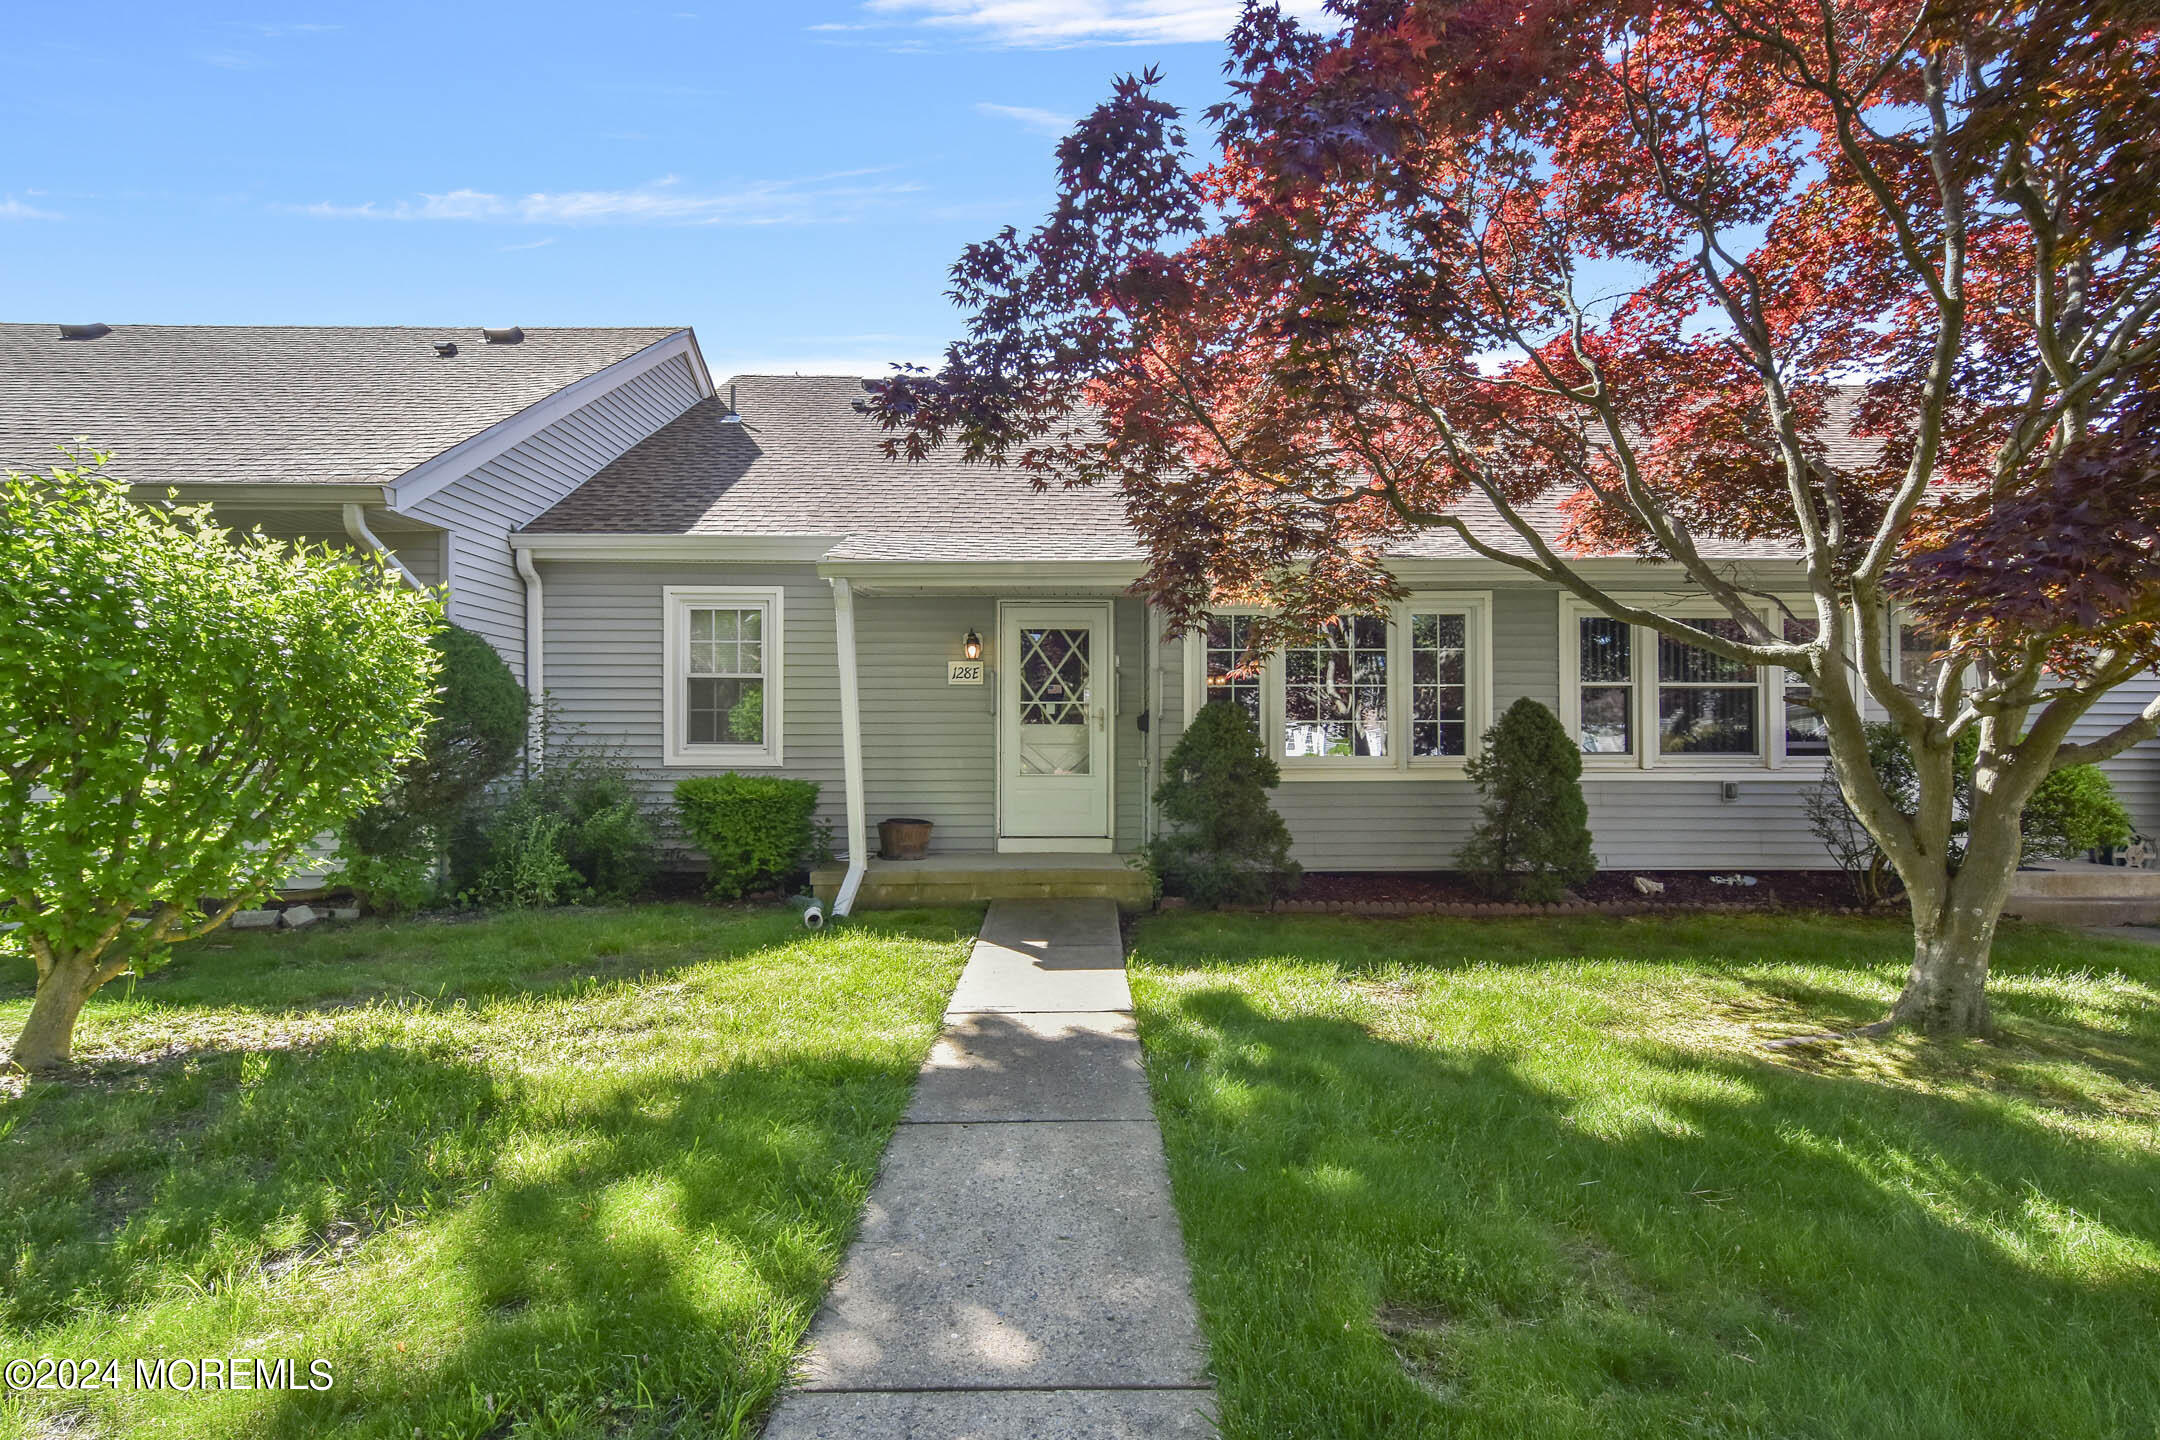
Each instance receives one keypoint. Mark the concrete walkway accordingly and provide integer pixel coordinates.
(1019, 1271)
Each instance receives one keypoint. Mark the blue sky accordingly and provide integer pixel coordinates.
(792, 179)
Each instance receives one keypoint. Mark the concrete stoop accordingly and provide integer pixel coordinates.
(968, 879)
(2076, 892)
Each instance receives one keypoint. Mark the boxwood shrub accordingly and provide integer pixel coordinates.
(760, 831)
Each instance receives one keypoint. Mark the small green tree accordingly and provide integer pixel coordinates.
(184, 709)
(479, 716)
(1533, 839)
(1227, 846)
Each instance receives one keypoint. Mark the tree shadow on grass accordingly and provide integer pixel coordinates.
(1396, 1239)
(572, 1246)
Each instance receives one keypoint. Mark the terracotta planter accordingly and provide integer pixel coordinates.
(903, 839)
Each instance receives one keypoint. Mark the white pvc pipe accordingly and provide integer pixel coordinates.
(535, 661)
(850, 746)
(357, 527)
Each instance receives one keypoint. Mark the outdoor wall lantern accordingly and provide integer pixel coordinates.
(972, 646)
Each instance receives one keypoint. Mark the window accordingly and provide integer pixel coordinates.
(1372, 695)
(1706, 703)
(1606, 697)
(1919, 661)
(1335, 691)
(722, 676)
(1806, 732)
(1638, 700)
(1439, 684)
(1225, 642)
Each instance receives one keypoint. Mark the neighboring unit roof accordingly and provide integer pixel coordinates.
(804, 461)
(279, 404)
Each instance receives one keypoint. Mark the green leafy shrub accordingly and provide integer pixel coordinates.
(182, 710)
(599, 833)
(1533, 838)
(525, 866)
(478, 727)
(2072, 811)
(759, 831)
(394, 884)
(1227, 846)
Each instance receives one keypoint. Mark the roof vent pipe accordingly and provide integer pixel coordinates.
(446, 348)
(733, 416)
(84, 332)
(511, 336)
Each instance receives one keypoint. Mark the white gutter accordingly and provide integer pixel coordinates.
(535, 672)
(357, 527)
(850, 746)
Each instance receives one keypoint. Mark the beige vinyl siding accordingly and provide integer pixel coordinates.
(482, 508)
(1647, 821)
(929, 747)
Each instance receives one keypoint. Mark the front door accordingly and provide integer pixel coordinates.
(1054, 717)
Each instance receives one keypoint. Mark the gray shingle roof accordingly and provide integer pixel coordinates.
(260, 404)
(805, 462)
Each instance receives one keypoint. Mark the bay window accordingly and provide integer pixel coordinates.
(1379, 694)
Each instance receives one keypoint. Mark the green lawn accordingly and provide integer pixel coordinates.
(1541, 1179)
(563, 1174)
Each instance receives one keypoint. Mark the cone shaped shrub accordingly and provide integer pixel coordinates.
(1226, 845)
(1533, 840)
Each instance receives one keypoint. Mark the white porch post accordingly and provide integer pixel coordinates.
(850, 745)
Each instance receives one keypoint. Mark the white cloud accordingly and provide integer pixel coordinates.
(526, 245)
(1049, 23)
(13, 209)
(814, 199)
(1045, 122)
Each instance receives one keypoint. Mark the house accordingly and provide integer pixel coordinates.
(733, 577)
(429, 446)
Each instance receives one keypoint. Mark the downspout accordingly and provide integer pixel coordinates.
(850, 745)
(357, 527)
(1151, 757)
(535, 673)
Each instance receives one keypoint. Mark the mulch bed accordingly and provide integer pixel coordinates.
(1609, 892)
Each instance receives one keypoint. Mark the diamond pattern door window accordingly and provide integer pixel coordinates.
(1055, 674)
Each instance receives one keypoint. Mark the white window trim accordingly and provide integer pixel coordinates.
(1769, 699)
(677, 601)
(1397, 764)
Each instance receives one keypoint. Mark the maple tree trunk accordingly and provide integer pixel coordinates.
(1954, 922)
(48, 1036)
